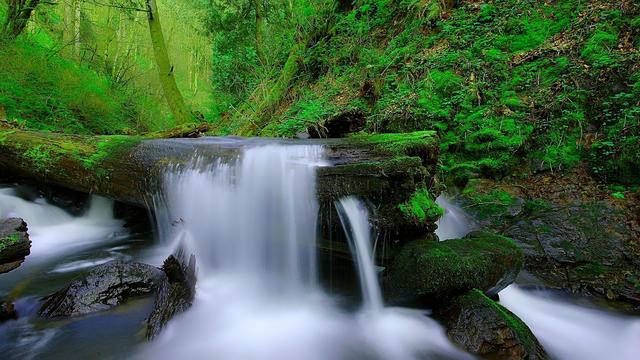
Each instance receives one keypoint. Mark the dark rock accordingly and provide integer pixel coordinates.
(584, 248)
(14, 244)
(7, 311)
(175, 294)
(485, 328)
(104, 287)
(339, 125)
(430, 272)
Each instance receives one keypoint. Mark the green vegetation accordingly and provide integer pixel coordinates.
(433, 269)
(8, 241)
(421, 207)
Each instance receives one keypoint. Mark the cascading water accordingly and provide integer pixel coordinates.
(354, 217)
(570, 332)
(455, 223)
(251, 222)
(54, 231)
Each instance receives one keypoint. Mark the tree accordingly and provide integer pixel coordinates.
(259, 32)
(165, 69)
(18, 15)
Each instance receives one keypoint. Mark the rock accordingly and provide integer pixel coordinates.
(104, 287)
(584, 248)
(14, 244)
(7, 311)
(428, 272)
(339, 125)
(485, 328)
(175, 294)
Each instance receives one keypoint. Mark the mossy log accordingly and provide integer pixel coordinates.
(385, 169)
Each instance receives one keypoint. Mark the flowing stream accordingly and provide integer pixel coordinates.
(251, 222)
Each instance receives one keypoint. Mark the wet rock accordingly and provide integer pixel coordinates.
(584, 248)
(7, 311)
(485, 328)
(175, 294)
(429, 272)
(14, 244)
(103, 288)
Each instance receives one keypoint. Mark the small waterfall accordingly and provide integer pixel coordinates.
(251, 222)
(354, 217)
(455, 223)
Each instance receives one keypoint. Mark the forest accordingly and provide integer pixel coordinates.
(320, 179)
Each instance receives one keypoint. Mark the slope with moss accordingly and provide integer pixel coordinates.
(511, 86)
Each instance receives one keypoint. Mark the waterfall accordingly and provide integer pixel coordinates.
(251, 221)
(354, 217)
(455, 223)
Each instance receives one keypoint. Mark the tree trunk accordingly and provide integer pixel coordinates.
(260, 32)
(77, 8)
(18, 15)
(165, 69)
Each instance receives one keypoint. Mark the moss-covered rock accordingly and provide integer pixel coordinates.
(14, 244)
(485, 328)
(428, 272)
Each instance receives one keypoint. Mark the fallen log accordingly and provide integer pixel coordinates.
(386, 169)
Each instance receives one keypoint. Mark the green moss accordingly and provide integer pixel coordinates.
(415, 143)
(521, 330)
(8, 241)
(427, 268)
(421, 207)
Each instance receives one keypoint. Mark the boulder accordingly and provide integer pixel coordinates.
(429, 272)
(485, 328)
(175, 294)
(103, 288)
(14, 244)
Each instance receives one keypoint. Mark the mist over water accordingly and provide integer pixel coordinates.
(251, 222)
(455, 223)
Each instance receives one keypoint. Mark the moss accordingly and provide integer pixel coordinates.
(432, 271)
(589, 270)
(522, 332)
(8, 241)
(421, 207)
(415, 143)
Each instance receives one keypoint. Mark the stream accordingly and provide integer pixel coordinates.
(251, 221)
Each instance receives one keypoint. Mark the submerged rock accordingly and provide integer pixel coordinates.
(175, 294)
(103, 288)
(428, 272)
(7, 311)
(485, 328)
(14, 244)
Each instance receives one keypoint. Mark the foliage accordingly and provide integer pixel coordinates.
(421, 207)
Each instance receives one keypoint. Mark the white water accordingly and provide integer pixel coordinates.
(354, 217)
(455, 223)
(251, 223)
(55, 232)
(570, 332)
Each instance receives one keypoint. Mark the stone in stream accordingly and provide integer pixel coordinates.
(485, 328)
(7, 311)
(428, 272)
(14, 244)
(175, 294)
(103, 288)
